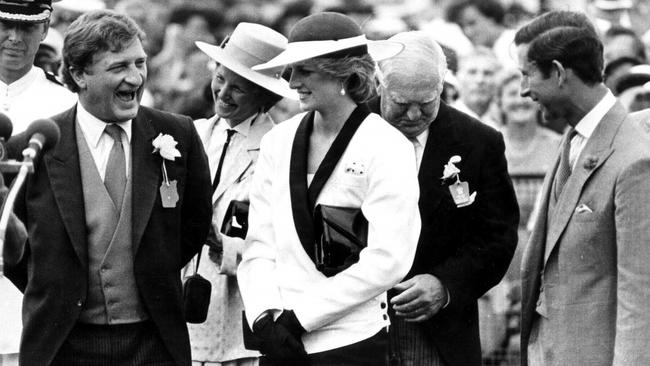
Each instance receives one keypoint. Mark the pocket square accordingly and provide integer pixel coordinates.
(583, 208)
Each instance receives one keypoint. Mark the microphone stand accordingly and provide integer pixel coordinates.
(24, 167)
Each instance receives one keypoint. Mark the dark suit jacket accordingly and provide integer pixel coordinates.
(51, 268)
(468, 249)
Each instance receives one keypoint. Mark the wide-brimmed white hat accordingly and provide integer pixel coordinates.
(329, 34)
(251, 44)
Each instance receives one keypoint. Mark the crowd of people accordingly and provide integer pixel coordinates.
(358, 184)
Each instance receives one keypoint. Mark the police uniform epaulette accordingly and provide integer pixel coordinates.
(51, 77)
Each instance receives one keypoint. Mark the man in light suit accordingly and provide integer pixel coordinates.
(585, 273)
(113, 213)
(463, 249)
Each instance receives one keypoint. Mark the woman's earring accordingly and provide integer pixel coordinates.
(342, 91)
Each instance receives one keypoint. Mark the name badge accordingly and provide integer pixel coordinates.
(169, 194)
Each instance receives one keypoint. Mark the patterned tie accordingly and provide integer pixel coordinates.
(115, 176)
(217, 176)
(564, 169)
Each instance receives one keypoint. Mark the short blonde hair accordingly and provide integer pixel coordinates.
(356, 73)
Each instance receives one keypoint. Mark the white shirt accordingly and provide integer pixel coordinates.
(33, 97)
(215, 138)
(419, 142)
(587, 125)
(100, 143)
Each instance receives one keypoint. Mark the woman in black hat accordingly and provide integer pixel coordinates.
(301, 310)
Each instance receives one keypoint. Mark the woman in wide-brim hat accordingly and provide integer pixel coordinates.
(242, 99)
(338, 153)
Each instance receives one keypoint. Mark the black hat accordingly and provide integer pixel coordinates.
(329, 34)
(34, 11)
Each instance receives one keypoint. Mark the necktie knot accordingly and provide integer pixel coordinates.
(230, 133)
(114, 131)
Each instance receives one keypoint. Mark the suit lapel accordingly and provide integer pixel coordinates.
(145, 173)
(65, 179)
(598, 149)
(302, 216)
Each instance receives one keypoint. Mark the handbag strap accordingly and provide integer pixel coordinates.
(198, 260)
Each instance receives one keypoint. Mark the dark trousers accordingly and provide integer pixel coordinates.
(113, 345)
(369, 352)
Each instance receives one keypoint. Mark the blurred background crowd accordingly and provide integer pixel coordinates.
(484, 81)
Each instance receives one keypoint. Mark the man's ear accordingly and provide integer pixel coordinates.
(78, 76)
(46, 28)
(560, 72)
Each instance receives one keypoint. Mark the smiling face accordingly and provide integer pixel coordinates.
(316, 90)
(112, 86)
(235, 98)
(18, 45)
(542, 90)
(517, 109)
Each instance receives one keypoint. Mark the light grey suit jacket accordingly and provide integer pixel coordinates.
(596, 265)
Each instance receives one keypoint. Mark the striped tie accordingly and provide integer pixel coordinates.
(564, 169)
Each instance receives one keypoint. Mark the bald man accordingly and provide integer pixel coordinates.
(469, 231)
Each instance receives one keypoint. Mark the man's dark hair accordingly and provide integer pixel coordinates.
(93, 33)
(567, 37)
(489, 8)
(550, 20)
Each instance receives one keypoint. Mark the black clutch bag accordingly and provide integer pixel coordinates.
(235, 222)
(196, 296)
(341, 233)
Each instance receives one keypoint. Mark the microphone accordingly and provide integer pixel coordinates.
(6, 128)
(43, 135)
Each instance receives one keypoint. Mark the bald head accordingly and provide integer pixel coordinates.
(411, 83)
(422, 60)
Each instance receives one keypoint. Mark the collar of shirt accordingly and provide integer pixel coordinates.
(422, 138)
(588, 123)
(93, 127)
(242, 128)
(18, 86)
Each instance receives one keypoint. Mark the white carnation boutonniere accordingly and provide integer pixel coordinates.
(459, 190)
(451, 171)
(165, 145)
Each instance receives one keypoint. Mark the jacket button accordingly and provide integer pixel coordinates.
(79, 303)
(385, 317)
(383, 305)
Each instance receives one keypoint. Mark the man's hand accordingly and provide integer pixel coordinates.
(420, 298)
